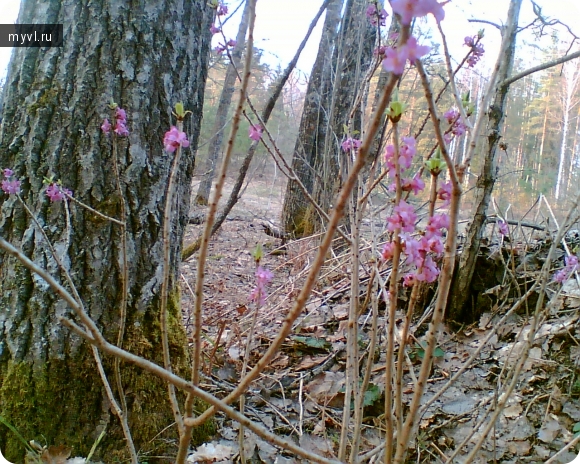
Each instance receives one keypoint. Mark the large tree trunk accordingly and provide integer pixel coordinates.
(329, 99)
(220, 123)
(351, 60)
(146, 57)
(488, 144)
(310, 141)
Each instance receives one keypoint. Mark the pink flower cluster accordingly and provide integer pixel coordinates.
(351, 144)
(457, 127)
(255, 132)
(396, 58)
(444, 193)
(222, 48)
(571, 266)
(407, 151)
(10, 185)
(56, 192)
(477, 51)
(375, 16)
(263, 278)
(174, 138)
(419, 252)
(403, 218)
(409, 9)
(222, 9)
(120, 123)
(503, 228)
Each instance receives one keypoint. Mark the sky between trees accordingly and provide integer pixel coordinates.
(281, 25)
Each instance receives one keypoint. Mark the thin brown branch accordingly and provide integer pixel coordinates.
(484, 21)
(360, 162)
(540, 67)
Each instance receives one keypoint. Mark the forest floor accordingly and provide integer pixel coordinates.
(301, 393)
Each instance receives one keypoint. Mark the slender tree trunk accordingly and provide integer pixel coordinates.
(543, 139)
(573, 155)
(146, 57)
(218, 130)
(489, 145)
(570, 76)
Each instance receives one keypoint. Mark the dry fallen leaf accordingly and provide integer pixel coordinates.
(210, 452)
(56, 454)
(549, 430)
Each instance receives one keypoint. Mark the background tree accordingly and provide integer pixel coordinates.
(146, 57)
(332, 90)
(220, 121)
(309, 143)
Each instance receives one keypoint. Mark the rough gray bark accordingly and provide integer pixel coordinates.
(310, 140)
(218, 129)
(329, 100)
(352, 58)
(488, 145)
(146, 57)
(277, 89)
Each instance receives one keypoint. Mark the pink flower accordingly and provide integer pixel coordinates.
(477, 52)
(468, 41)
(429, 271)
(403, 217)
(413, 251)
(503, 228)
(120, 123)
(406, 153)
(458, 128)
(120, 128)
(388, 249)
(263, 278)
(440, 221)
(433, 244)
(408, 9)
(8, 173)
(214, 29)
(444, 193)
(415, 51)
(375, 17)
(415, 184)
(174, 138)
(106, 126)
(409, 279)
(220, 49)
(571, 266)
(57, 193)
(560, 276)
(351, 144)
(11, 187)
(231, 43)
(395, 60)
(222, 10)
(451, 115)
(120, 115)
(571, 262)
(255, 132)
